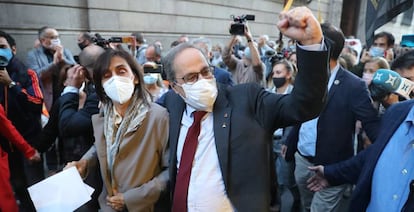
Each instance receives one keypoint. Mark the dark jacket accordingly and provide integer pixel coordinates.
(24, 101)
(72, 126)
(359, 170)
(245, 117)
(348, 101)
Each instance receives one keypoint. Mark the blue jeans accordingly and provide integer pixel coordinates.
(287, 189)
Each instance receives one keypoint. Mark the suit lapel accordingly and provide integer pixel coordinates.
(335, 85)
(176, 114)
(222, 114)
(100, 144)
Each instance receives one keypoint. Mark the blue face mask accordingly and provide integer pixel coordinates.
(376, 51)
(5, 57)
(149, 80)
(247, 53)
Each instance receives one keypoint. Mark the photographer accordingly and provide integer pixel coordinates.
(248, 69)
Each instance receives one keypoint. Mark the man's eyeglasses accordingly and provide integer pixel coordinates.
(191, 78)
(52, 37)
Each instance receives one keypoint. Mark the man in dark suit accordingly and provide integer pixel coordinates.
(329, 138)
(383, 172)
(230, 166)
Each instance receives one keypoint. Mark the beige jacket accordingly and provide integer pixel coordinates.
(140, 168)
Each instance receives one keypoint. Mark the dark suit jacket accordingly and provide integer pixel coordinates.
(348, 101)
(245, 117)
(222, 76)
(359, 170)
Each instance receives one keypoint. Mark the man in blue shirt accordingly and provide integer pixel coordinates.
(383, 173)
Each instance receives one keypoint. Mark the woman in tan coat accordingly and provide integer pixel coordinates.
(130, 137)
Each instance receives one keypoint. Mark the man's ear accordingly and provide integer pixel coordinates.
(14, 50)
(177, 89)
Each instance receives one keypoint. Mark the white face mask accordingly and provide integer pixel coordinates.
(367, 77)
(54, 43)
(119, 89)
(201, 95)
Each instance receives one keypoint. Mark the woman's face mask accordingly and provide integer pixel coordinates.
(119, 89)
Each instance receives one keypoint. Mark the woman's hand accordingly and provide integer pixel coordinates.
(80, 165)
(116, 201)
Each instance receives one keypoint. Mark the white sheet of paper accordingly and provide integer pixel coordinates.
(64, 191)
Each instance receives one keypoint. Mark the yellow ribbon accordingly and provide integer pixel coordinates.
(288, 5)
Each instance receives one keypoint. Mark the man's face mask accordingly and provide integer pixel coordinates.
(82, 45)
(5, 56)
(376, 51)
(54, 43)
(201, 95)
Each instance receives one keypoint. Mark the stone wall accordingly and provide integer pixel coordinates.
(163, 20)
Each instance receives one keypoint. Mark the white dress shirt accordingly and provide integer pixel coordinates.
(206, 191)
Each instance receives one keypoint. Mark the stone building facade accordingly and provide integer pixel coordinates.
(163, 20)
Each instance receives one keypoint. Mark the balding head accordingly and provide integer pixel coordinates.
(153, 53)
(89, 55)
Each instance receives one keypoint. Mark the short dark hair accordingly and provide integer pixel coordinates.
(87, 36)
(404, 61)
(139, 37)
(336, 37)
(9, 38)
(101, 67)
(390, 38)
(175, 43)
(41, 31)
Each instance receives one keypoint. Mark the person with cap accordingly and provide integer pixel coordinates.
(248, 69)
(389, 157)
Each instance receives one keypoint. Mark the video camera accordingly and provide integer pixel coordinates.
(237, 28)
(152, 68)
(104, 43)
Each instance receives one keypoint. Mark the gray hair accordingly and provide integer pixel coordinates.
(204, 41)
(168, 61)
(157, 49)
(42, 31)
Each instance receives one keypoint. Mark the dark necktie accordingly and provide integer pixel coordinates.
(184, 170)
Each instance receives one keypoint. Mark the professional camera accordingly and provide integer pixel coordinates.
(152, 68)
(104, 43)
(237, 28)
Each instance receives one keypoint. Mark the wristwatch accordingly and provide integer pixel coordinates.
(12, 84)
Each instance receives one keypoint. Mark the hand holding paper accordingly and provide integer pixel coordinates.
(64, 191)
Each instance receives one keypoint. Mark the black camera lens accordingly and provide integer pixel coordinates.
(237, 29)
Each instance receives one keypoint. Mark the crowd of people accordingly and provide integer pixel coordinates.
(254, 125)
